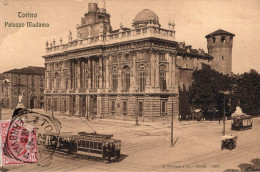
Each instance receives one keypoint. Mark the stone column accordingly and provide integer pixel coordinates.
(100, 72)
(98, 106)
(152, 69)
(156, 70)
(119, 73)
(107, 72)
(168, 73)
(134, 73)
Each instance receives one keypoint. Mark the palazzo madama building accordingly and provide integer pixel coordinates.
(121, 73)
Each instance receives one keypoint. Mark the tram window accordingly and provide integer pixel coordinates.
(95, 145)
(99, 146)
(87, 144)
(91, 144)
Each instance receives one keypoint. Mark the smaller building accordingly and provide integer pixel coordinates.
(29, 82)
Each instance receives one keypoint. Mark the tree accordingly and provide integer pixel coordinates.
(247, 91)
(207, 89)
(184, 104)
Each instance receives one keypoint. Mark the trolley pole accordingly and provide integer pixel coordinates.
(172, 127)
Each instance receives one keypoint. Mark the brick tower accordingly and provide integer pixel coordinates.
(220, 45)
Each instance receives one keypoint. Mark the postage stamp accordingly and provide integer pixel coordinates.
(18, 142)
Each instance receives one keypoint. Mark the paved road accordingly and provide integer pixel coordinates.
(147, 147)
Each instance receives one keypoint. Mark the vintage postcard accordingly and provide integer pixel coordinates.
(130, 85)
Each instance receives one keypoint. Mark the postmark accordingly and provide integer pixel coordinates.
(19, 134)
(21, 142)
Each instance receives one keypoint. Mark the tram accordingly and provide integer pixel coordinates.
(98, 145)
(241, 122)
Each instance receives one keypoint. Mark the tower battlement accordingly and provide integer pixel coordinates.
(220, 45)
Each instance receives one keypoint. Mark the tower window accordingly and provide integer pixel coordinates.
(214, 39)
(222, 57)
(223, 39)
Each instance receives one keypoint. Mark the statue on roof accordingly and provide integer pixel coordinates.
(47, 44)
(70, 36)
(121, 26)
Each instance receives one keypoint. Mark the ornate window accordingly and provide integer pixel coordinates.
(50, 83)
(41, 83)
(162, 78)
(57, 76)
(126, 78)
(142, 78)
(114, 79)
(32, 83)
(126, 57)
(19, 80)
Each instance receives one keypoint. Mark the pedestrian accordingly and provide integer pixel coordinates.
(219, 120)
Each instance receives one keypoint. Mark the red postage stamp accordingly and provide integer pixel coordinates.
(18, 143)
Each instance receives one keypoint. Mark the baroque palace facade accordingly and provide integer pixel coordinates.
(124, 72)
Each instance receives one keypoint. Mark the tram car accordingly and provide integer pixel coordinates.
(92, 144)
(241, 122)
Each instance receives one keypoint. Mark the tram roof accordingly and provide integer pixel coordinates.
(83, 137)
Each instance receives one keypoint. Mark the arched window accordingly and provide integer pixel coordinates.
(162, 78)
(114, 79)
(142, 78)
(126, 78)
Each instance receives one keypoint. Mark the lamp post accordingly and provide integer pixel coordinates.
(224, 111)
(172, 126)
(137, 115)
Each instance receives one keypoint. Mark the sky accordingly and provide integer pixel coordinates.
(194, 19)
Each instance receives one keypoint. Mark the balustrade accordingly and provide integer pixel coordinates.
(114, 37)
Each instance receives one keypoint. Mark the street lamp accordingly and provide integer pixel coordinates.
(224, 112)
(172, 126)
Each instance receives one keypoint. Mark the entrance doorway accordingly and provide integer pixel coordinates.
(32, 103)
(140, 108)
